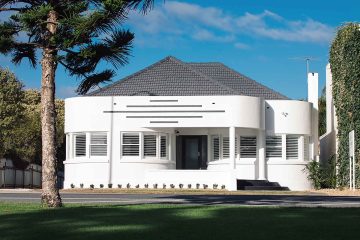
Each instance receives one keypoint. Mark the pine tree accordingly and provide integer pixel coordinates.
(76, 34)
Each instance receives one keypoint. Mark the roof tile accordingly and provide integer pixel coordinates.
(172, 77)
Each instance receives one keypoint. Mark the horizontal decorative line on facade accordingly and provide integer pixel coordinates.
(164, 121)
(170, 111)
(164, 116)
(163, 106)
(154, 100)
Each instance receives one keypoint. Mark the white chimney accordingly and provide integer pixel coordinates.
(313, 97)
(313, 89)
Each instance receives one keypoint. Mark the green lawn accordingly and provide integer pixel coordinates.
(29, 221)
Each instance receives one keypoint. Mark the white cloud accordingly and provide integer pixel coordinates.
(296, 31)
(240, 45)
(205, 35)
(209, 16)
(213, 24)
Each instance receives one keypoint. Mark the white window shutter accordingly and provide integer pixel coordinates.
(80, 145)
(274, 146)
(225, 147)
(216, 148)
(292, 147)
(149, 145)
(306, 148)
(130, 144)
(248, 147)
(163, 146)
(98, 144)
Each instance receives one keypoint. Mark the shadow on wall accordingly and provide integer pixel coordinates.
(269, 117)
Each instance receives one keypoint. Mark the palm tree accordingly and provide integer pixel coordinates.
(76, 34)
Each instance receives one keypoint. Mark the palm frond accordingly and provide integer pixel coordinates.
(119, 44)
(21, 51)
(94, 80)
(143, 5)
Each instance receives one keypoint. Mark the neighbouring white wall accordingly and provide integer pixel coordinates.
(328, 141)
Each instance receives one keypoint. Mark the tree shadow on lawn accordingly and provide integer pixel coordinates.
(179, 222)
(267, 200)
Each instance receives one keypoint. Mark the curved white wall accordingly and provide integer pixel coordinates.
(87, 114)
(87, 173)
(94, 113)
(288, 117)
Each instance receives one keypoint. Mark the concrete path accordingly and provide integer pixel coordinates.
(231, 200)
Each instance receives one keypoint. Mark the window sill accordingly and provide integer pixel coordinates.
(286, 162)
(146, 161)
(243, 161)
(86, 160)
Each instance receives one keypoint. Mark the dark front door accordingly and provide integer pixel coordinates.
(192, 152)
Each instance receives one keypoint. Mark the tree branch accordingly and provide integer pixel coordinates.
(72, 69)
(29, 44)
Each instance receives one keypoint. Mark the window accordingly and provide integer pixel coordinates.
(273, 146)
(236, 148)
(216, 147)
(225, 147)
(149, 145)
(80, 145)
(306, 148)
(292, 146)
(247, 147)
(130, 144)
(163, 146)
(98, 144)
(153, 145)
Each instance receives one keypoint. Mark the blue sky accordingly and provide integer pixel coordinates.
(263, 39)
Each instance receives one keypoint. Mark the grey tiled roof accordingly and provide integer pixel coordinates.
(172, 77)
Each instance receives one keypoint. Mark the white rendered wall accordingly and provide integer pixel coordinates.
(185, 177)
(328, 141)
(288, 116)
(87, 114)
(313, 97)
(87, 173)
(291, 174)
(196, 111)
(214, 115)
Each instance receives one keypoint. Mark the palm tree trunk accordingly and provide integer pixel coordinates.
(50, 193)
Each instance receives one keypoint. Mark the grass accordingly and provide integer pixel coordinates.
(105, 222)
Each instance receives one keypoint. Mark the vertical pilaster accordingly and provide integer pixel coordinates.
(232, 157)
(283, 146)
(261, 154)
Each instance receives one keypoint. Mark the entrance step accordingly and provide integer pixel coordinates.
(263, 185)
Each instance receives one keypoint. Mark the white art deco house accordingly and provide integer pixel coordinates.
(177, 124)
